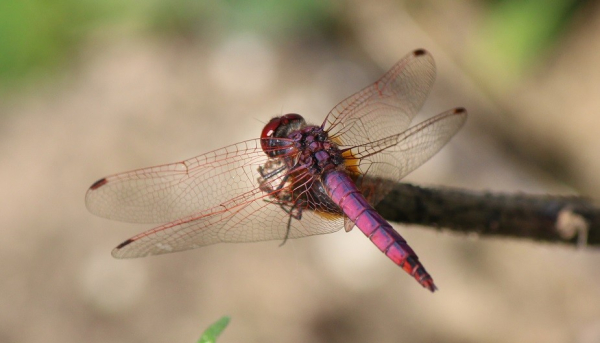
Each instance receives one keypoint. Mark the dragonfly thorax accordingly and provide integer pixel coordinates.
(316, 152)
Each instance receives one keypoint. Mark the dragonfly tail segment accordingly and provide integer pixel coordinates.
(342, 191)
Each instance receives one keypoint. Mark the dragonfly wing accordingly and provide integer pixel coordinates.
(390, 159)
(257, 219)
(168, 192)
(386, 107)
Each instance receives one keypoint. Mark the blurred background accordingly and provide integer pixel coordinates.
(91, 88)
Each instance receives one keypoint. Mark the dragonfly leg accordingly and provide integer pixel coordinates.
(287, 230)
(282, 198)
(275, 192)
(264, 185)
(266, 176)
(294, 212)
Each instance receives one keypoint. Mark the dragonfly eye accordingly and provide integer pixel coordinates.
(291, 118)
(279, 127)
(268, 145)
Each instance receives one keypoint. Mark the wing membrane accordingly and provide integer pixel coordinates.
(387, 106)
(169, 192)
(392, 158)
(258, 220)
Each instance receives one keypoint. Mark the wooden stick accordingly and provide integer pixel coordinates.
(558, 219)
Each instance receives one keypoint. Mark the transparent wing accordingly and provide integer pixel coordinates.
(390, 159)
(212, 198)
(253, 220)
(169, 192)
(386, 107)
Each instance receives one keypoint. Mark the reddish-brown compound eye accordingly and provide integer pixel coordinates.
(267, 133)
(291, 117)
(278, 127)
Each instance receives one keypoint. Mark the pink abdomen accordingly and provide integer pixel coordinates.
(343, 192)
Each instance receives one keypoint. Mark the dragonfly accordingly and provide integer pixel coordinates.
(296, 180)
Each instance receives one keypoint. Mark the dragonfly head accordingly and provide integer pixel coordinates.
(279, 127)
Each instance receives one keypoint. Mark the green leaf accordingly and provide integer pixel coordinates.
(213, 331)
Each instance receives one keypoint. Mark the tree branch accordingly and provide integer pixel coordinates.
(558, 219)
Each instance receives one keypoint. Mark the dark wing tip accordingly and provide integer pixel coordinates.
(98, 184)
(127, 242)
(419, 52)
(459, 110)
